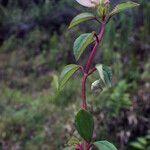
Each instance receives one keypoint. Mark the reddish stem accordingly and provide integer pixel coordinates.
(84, 105)
(100, 36)
(86, 72)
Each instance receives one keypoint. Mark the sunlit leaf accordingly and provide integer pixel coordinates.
(104, 145)
(105, 74)
(81, 43)
(84, 123)
(122, 7)
(81, 18)
(67, 72)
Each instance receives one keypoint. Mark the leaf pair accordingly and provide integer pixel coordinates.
(104, 72)
(88, 16)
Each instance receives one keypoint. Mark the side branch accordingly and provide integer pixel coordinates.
(92, 71)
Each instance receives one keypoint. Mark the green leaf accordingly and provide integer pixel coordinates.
(122, 7)
(84, 123)
(81, 43)
(105, 74)
(69, 148)
(81, 18)
(104, 145)
(73, 141)
(67, 72)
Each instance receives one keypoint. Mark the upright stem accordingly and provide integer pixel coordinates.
(86, 72)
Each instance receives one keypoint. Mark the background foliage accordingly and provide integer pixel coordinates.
(35, 45)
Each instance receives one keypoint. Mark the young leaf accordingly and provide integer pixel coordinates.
(81, 18)
(67, 72)
(104, 145)
(122, 7)
(84, 123)
(81, 43)
(105, 74)
(73, 141)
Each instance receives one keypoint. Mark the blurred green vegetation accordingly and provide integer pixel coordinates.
(142, 143)
(34, 47)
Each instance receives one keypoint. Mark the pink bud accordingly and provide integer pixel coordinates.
(88, 3)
